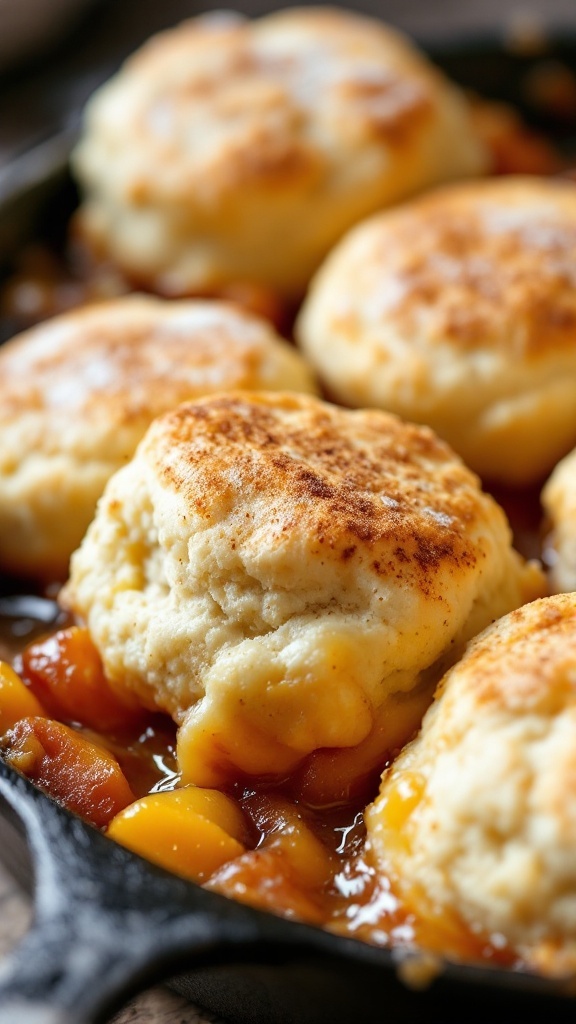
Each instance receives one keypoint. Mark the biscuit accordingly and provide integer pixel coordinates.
(78, 392)
(558, 500)
(475, 823)
(230, 149)
(275, 572)
(458, 310)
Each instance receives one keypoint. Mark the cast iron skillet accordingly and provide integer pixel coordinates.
(107, 923)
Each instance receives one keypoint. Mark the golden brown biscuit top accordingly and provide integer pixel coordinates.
(527, 663)
(225, 102)
(352, 484)
(137, 356)
(484, 263)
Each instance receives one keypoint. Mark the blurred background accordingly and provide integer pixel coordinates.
(54, 53)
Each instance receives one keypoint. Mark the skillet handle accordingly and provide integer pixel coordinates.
(107, 924)
(59, 975)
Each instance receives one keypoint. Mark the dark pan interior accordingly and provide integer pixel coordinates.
(290, 974)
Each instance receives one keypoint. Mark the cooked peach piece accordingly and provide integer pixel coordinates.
(261, 878)
(288, 871)
(332, 776)
(65, 672)
(79, 774)
(16, 699)
(189, 831)
(287, 831)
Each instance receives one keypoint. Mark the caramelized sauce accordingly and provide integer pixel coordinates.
(301, 862)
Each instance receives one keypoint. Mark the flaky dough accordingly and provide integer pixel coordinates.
(231, 149)
(458, 310)
(476, 819)
(77, 393)
(274, 571)
(558, 500)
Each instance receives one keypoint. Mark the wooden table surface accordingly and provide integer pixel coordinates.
(157, 1006)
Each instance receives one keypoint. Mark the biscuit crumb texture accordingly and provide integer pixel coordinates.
(458, 309)
(488, 831)
(232, 149)
(77, 393)
(273, 570)
(558, 499)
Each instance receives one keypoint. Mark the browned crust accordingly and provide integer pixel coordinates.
(358, 484)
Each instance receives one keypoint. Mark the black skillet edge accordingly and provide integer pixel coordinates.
(137, 924)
